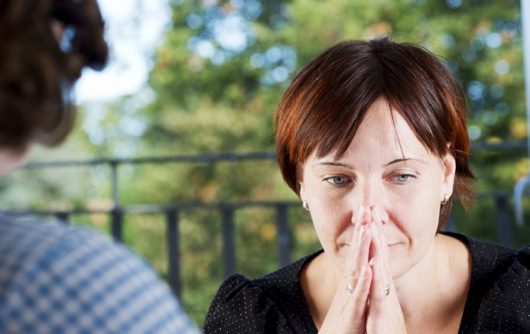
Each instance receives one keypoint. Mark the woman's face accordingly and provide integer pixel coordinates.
(385, 168)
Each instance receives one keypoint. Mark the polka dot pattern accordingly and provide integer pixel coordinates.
(498, 299)
(499, 295)
(272, 304)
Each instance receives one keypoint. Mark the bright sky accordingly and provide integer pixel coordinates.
(134, 28)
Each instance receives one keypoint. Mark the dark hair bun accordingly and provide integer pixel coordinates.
(39, 68)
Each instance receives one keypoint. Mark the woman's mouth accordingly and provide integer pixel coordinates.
(393, 245)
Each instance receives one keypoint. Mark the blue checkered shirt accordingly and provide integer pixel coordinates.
(59, 279)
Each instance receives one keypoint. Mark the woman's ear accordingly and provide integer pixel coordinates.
(449, 172)
(302, 191)
(305, 205)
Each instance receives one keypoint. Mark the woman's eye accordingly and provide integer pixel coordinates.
(403, 178)
(337, 180)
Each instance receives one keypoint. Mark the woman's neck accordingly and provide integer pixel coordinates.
(441, 278)
(315, 275)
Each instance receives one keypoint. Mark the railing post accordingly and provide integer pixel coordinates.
(64, 217)
(173, 249)
(114, 183)
(116, 226)
(117, 214)
(284, 238)
(229, 252)
(504, 230)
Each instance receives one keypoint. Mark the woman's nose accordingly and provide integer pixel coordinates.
(368, 204)
(370, 194)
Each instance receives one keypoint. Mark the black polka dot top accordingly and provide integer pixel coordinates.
(498, 299)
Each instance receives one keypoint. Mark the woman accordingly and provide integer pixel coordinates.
(56, 278)
(372, 136)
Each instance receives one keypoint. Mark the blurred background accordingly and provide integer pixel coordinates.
(173, 149)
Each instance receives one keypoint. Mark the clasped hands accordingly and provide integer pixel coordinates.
(366, 300)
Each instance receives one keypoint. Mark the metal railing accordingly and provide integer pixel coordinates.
(227, 210)
(172, 219)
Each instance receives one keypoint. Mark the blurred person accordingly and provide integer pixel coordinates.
(372, 136)
(55, 278)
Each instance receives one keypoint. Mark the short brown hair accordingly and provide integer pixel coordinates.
(327, 101)
(37, 72)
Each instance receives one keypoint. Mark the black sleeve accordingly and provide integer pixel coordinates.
(241, 306)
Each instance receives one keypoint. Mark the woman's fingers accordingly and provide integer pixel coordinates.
(379, 246)
(359, 246)
(381, 277)
(348, 310)
(384, 313)
(359, 296)
(358, 235)
(359, 264)
(381, 285)
(385, 251)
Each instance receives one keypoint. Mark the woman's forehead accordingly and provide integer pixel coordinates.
(384, 133)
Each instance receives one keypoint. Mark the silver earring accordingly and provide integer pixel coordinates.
(305, 205)
(444, 202)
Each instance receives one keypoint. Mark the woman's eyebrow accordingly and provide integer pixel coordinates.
(345, 165)
(333, 163)
(395, 161)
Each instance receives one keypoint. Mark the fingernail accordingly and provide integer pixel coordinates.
(364, 272)
(374, 228)
(372, 261)
(376, 215)
(362, 233)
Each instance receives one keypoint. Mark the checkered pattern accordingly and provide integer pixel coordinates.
(59, 279)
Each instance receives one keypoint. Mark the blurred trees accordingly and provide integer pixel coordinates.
(224, 65)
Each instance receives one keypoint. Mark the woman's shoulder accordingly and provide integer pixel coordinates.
(499, 293)
(494, 258)
(273, 303)
(79, 272)
(242, 306)
(493, 263)
(489, 258)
